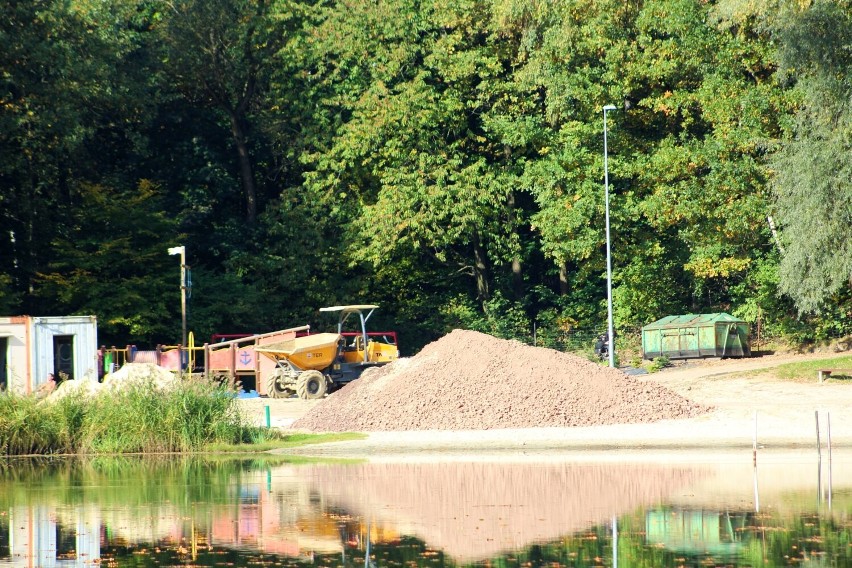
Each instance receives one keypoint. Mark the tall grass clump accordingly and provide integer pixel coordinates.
(184, 416)
(32, 426)
(139, 416)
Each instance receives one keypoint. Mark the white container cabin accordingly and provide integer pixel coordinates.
(32, 348)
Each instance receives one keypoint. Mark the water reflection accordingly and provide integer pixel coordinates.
(474, 511)
(566, 511)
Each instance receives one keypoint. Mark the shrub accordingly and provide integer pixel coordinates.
(658, 364)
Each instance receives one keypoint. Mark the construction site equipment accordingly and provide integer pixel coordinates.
(691, 335)
(312, 365)
(237, 360)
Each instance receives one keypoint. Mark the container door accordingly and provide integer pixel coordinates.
(681, 342)
(707, 342)
(671, 343)
(689, 342)
(652, 343)
(734, 340)
(63, 357)
(742, 333)
(4, 367)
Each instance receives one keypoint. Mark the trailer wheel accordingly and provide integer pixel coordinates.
(311, 384)
(274, 389)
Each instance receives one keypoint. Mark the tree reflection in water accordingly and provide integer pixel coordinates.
(145, 512)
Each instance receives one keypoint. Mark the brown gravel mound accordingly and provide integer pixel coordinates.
(472, 381)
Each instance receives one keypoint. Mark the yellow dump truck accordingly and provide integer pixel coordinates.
(312, 365)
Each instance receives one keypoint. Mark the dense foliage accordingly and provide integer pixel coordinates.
(441, 158)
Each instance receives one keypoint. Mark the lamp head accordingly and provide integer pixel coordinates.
(176, 250)
(609, 107)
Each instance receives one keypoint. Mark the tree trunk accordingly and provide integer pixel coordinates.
(563, 279)
(246, 174)
(517, 278)
(480, 271)
(517, 271)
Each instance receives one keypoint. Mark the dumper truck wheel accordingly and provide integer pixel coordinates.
(274, 388)
(311, 384)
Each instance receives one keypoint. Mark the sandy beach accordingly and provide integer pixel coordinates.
(750, 404)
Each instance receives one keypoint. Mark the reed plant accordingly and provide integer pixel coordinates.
(140, 417)
(30, 426)
(182, 417)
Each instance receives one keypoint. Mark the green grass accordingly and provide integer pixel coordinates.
(284, 441)
(189, 416)
(807, 370)
(30, 427)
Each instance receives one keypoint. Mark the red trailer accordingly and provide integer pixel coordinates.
(236, 359)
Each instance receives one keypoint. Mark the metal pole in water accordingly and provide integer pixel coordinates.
(819, 459)
(614, 542)
(819, 448)
(756, 493)
(828, 424)
(754, 464)
(268, 422)
(754, 441)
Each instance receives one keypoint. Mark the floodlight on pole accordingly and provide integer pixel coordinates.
(611, 335)
(181, 250)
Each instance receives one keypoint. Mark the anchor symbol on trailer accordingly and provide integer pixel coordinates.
(245, 357)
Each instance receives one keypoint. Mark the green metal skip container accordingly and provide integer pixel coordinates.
(696, 335)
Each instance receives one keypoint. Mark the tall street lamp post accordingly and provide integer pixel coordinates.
(611, 336)
(181, 250)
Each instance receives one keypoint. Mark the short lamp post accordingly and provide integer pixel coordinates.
(611, 336)
(181, 250)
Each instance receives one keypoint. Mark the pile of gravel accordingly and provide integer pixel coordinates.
(146, 374)
(472, 381)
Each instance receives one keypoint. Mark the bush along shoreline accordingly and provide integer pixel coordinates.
(142, 417)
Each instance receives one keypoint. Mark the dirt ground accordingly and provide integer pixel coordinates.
(748, 406)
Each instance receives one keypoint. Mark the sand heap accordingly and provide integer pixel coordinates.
(140, 373)
(472, 381)
(130, 374)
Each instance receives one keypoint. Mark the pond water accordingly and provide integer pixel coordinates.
(550, 509)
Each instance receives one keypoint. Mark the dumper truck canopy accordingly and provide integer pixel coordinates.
(353, 308)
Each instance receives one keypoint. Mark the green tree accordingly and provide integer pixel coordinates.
(421, 157)
(70, 110)
(813, 191)
(717, 109)
(112, 262)
(219, 56)
(44, 88)
(697, 112)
